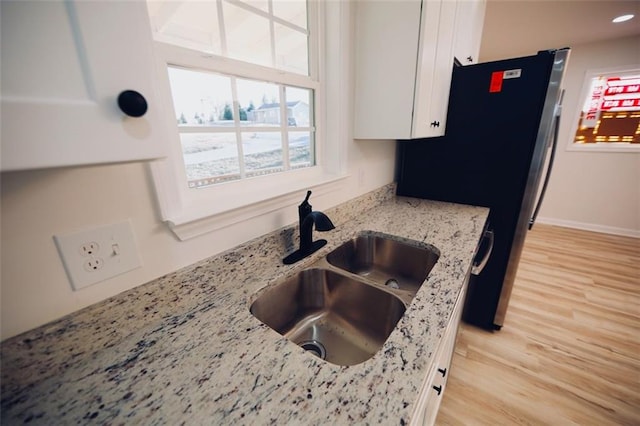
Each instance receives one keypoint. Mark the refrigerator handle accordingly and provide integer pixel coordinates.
(556, 130)
(476, 268)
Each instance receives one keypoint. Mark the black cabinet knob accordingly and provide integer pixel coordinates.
(435, 124)
(469, 58)
(132, 103)
(438, 389)
(442, 371)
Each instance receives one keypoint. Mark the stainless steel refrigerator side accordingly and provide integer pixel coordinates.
(549, 168)
(533, 180)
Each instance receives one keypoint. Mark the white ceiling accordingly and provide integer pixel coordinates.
(523, 27)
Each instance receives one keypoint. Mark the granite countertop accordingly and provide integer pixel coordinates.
(185, 348)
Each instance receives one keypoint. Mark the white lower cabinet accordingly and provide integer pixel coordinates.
(435, 382)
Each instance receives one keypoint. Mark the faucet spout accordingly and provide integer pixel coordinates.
(322, 222)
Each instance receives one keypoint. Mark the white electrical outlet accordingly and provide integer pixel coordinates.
(88, 249)
(94, 255)
(93, 264)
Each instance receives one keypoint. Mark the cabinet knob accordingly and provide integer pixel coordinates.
(438, 389)
(469, 58)
(442, 371)
(435, 124)
(132, 103)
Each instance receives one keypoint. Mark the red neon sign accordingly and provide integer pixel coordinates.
(619, 103)
(622, 89)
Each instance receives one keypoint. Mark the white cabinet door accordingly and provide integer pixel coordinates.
(435, 66)
(469, 24)
(64, 63)
(434, 385)
(387, 43)
(404, 61)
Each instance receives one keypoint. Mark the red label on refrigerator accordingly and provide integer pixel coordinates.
(496, 82)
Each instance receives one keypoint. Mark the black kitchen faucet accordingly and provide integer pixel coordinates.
(306, 219)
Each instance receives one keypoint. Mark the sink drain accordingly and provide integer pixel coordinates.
(392, 283)
(315, 348)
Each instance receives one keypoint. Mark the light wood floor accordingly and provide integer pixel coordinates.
(569, 351)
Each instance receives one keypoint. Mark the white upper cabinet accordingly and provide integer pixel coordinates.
(469, 23)
(64, 65)
(435, 66)
(404, 62)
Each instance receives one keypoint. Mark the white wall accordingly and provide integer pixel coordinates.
(594, 190)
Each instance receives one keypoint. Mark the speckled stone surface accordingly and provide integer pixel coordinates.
(185, 349)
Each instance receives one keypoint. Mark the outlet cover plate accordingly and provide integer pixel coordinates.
(94, 255)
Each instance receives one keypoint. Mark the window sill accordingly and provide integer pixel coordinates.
(191, 224)
(611, 147)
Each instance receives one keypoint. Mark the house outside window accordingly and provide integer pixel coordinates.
(225, 139)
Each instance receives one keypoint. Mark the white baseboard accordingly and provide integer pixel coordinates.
(589, 227)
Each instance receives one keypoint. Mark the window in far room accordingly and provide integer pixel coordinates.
(609, 119)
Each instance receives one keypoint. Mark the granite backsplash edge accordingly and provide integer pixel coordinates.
(35, 355)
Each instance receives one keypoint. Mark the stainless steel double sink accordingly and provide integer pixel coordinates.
(343, 307)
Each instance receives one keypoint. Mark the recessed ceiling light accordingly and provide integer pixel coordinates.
(622, 18)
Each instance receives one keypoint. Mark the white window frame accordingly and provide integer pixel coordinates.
(584, 92)
(191, 212)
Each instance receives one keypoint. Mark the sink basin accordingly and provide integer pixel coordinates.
(335, 317)
(385, 260)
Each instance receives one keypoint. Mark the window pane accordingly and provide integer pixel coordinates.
(259, 101)
(294, 11)
(210, 158)
(188, 24)
(262, 153)
(298, 111)
(248, 36)
(291, 50)
(200, 98)
(301, 150)
(223, 149)
(258, 4)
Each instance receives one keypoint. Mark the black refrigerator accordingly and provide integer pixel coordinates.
(502, 125)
